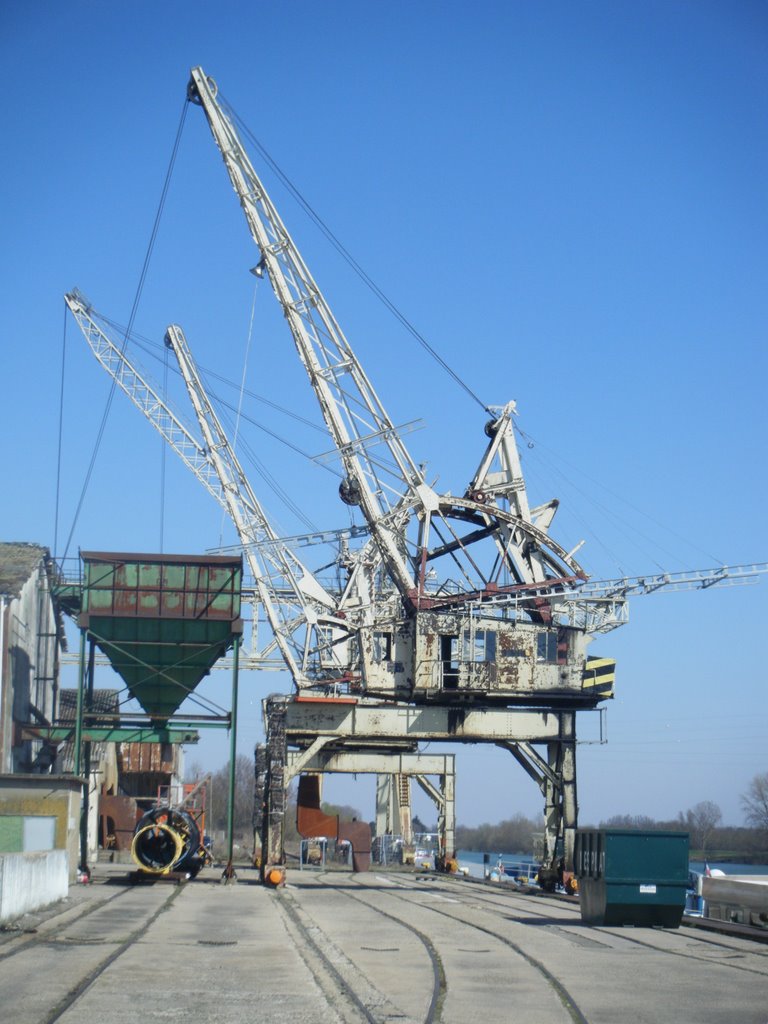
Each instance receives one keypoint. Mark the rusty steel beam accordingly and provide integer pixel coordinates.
(305, 720)
(376, 762)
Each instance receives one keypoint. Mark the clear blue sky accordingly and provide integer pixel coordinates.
(568, 201)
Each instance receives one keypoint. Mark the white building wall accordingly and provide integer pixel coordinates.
(30, 881)
(30, 666)
(6, 687)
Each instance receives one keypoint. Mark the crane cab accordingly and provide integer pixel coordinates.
(449, 656)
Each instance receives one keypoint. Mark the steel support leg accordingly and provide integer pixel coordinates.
(83, 750)
(448, 786)
(384, 805)
(570, 802)
(259, 798)
(560, 804)
(273, 837)
(401, 787)
(444, 800)
(229, 870)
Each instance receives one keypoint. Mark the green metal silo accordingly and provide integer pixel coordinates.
(161, 620)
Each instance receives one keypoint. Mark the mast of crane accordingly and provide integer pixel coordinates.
(353, 413)
(388, 487)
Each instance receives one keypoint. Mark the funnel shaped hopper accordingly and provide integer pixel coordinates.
(161, 620)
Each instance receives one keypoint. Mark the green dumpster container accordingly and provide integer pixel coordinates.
(628, 876)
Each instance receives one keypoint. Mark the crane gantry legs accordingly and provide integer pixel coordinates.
(305, 735)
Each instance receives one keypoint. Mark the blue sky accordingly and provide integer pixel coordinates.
(567, 200)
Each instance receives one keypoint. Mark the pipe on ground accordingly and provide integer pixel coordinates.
(168, 840)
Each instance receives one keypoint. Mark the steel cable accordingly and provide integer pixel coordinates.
(352, 262)
(132, 317)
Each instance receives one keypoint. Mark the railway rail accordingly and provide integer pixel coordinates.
(724, 938)
(335, 947)
(481, 922)
(85, 937)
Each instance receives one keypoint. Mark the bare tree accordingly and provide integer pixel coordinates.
(639, 821)
(701, 821)
(755, 802)
(244, 792)
(194, 772)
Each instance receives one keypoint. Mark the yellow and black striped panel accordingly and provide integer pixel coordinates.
(599, 677)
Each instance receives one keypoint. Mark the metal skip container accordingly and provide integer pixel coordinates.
(628, 876)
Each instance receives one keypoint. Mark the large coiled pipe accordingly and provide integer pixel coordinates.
(167, 840)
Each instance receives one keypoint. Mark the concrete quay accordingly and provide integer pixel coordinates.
(340, 947)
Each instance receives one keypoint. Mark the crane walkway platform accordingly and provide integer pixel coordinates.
(341, 947)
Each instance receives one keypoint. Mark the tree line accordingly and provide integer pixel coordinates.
(709, 837)
(703, 821)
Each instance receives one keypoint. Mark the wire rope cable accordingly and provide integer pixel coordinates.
(238, 413)
(61, 435)
(152, 348)
(132, 317)
(610, 513)
(163, 451)
(351, 261)
(403, 320)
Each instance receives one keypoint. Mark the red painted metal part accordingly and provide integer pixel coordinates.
(312, 822)
(359, 835)
(324, 700)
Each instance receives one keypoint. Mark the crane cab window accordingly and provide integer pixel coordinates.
(382, 647)
(324, 653)
(546, 647)
(480, 648)
(449, 660)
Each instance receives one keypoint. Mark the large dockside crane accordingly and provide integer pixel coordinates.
(454, 564)
(459, 620)
(426, 634)
(472, 603)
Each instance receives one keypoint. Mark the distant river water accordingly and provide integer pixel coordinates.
(728, 868)
(473, 861)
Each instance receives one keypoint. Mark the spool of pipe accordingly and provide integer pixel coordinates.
(167, 839)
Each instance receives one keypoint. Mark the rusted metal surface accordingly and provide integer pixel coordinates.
(161, 586)
(259, 790)
(358, 833)
(148, 757)
(162, 620)
(312, 822)
(273, 819)
(117, 820)
(382, 721)
(468, 655)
